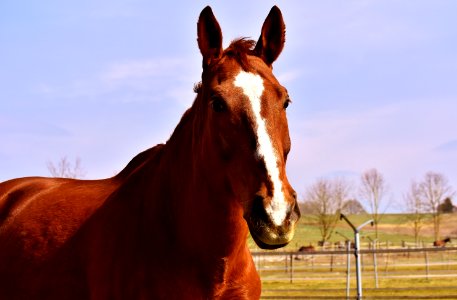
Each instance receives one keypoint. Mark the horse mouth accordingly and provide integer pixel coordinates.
(265, 233)
(267, 236)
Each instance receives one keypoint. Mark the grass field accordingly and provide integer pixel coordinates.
(434, 288)
(405, 277)
(393, 228)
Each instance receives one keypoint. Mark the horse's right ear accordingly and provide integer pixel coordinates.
(209, 36)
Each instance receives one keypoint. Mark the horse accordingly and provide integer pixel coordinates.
(309, 248)
(173, 224)
(442, 243)
(304, 249)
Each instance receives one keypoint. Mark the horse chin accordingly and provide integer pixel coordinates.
(266, 237)
(266, 246)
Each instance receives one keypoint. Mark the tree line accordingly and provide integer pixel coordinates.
(325, 199)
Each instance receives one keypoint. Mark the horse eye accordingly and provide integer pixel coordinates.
(218, 104)
(286, 103)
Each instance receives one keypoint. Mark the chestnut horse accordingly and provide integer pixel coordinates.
(174, 223)
(442, 243)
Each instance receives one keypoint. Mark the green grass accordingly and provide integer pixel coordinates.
(387, 289)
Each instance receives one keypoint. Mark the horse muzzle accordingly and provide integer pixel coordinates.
(266, 233)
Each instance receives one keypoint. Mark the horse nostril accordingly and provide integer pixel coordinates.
(294, 211)
(258, 208)
(294, 196)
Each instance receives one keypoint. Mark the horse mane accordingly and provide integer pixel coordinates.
(138, 161)
(239, 49)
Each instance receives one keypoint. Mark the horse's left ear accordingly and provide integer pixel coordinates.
(272, 38)
(209, 36)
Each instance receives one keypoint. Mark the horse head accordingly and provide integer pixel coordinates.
(245, 123)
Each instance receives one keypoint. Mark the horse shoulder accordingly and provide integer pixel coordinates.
(38, 215)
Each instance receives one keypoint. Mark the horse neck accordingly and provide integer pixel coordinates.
(208, 218)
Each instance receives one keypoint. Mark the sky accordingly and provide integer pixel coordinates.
(373, 84)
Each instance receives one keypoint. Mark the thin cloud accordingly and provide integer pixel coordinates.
(12, 128)
(129, 81)
(145, 68)
(450, 146)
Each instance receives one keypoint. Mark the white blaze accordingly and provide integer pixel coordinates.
(252, 85)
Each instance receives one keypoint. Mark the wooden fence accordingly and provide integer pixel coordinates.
(336, 260)
(377, 264)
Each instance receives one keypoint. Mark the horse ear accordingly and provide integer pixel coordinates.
(209, 36)
(272, 38)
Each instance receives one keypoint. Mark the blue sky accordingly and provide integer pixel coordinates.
(373, 83)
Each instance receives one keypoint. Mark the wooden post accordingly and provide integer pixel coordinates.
(426, 264)
(259, 261)
(331, 263)
(387, 256)
(348, 264)
(312, 262)
(375, 266)
(286, 260)
(291, 269)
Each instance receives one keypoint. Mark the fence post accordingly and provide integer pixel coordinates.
(259, 263)
(286, 260)
(331, 262)
(358, 269)
(348, 274)
(375, 265)
(357, 253)
(426, 264)
(312, 262)
(386, 256)
(291, 269)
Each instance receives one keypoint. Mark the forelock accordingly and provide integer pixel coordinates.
(239, 49)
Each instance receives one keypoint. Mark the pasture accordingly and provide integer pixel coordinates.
(414, 275)
(433, 288)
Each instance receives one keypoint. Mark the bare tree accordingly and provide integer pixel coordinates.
(64, 168)
(416, 209)
(325, 198)
(433, 190)
(373, 189)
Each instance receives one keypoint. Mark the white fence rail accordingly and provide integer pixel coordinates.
(380, 263)
(415, 267)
